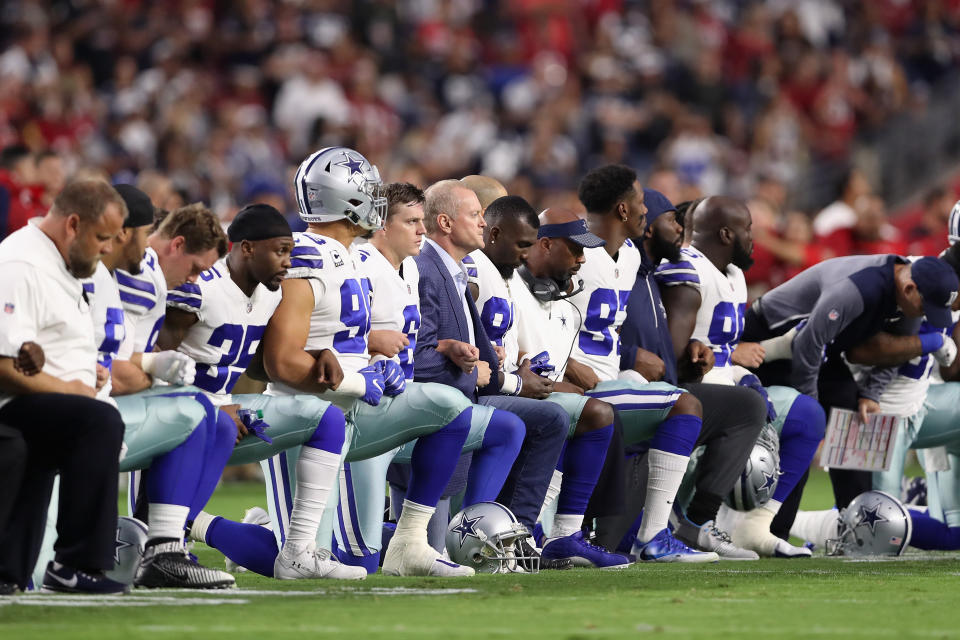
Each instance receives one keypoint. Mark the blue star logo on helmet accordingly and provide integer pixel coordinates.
(871, 517)
(769, 480)
(355, 165)
(466, 527)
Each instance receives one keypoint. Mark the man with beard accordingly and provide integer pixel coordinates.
(732, 416)
(705, 298)
(66, 430)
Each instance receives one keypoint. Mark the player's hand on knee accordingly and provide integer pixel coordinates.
(30, 359)
(374, 384)
(394, 380)
(534, 386)
(748, 354)
(170, 366)
(232, 411)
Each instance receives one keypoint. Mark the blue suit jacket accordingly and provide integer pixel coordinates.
(442, 318)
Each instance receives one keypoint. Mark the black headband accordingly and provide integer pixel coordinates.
(258, 222)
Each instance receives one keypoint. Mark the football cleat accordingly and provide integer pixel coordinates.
(63, 579)
(417, 558)
(784, 549)
(166, 565)
(663, 547)
(7, 588)
(753, 532)
(709, 537)
(298, 562)
(581, 553)
(253, 515)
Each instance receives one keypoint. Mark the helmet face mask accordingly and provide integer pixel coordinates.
(338, 183)
(486, 536)
(873, 524)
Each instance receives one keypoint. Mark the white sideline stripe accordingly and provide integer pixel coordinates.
(121, 601)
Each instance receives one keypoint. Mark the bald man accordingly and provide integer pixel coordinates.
(705, 295)
(487, 189)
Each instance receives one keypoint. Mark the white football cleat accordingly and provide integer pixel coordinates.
(784, 549)
(417, 558)
(753, 532)
(299, 562)
(253, 515)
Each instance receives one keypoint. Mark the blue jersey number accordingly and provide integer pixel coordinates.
(355, 315)
(915, 370)
(238, 348)
(725, 329)
(411, 325)
(497, 318)
(112, 336)
(596, 338)
(154, 334)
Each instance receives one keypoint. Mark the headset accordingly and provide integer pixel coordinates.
(548, 289)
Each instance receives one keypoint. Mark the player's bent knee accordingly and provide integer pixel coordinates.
(449, 401)
(811, 415)
(687, 404)
(596, 414)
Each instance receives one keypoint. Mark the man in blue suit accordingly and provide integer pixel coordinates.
(453, 348)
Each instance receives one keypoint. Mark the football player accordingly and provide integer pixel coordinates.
(705, 295)
(326, 305)
(510, 232)
(669, 418)
(219, 321)
(495, 435)
(176, 434)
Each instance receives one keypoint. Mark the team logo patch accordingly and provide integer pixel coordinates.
(337, 260)
(8, 307)
(834, 314)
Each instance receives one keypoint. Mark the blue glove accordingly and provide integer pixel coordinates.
(253, 421)
(373, 376)
(931, 341)
(753, 382)
(540, 364)
(394, 382)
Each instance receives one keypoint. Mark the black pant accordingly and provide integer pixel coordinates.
(80, 439)
(732, 420)
(13, 459)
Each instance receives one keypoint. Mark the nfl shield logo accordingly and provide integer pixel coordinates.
(616, 273)
(8, 307)
(249, 307)
(834, 314)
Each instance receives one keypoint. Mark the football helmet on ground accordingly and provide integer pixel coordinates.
(487, 537)
(128, 549)
(758, 480)
(873, 524)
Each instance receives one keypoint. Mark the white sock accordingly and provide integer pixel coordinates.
(663, 480)
(198, 531)
(317, 470)
(815, 526)
(413, 521)
(553, 490)
(167, 521)
(565, 524)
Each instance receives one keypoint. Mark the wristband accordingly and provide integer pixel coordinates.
(353, 384)
(930, 342)
(512, 384)
(147, 361)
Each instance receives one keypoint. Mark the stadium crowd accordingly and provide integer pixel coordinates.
(626, 364)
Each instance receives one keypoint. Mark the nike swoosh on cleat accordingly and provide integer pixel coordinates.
(70, 584)
(449, 564)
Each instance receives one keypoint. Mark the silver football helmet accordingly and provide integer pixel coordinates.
(758, 480)
(128, 549)
(337, 183)
(486, 536)
(873, 524)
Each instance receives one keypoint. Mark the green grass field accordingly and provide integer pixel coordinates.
(914, 596)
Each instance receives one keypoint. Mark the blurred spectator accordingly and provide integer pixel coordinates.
(871, 233)
(21, 198)
(841, 214)
(923, 229)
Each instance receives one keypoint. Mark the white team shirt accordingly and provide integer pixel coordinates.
(723, 302)
(41, 301)
(144, 298)
(108, 323)
(396, 299)
(544, 326)
(228, 330)
(603, 306)
(495, 304)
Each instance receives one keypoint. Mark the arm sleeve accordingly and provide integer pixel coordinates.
(673, 274)
(20, 309)
(836, 308)
(875, 382)
(187, 297)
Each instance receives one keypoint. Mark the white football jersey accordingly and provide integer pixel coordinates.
(495, 305)
(108, 324)
(144, 298)
(396, 299)
(340, 320)
(723, 302)
(544, 326)
(603, 306)
(228, 330)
